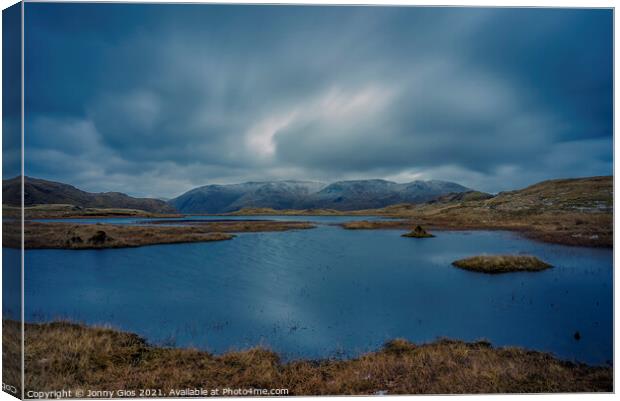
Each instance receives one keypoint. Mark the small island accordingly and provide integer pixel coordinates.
(418, 232)
(502, 263)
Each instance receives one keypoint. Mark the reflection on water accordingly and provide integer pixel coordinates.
(331, 292)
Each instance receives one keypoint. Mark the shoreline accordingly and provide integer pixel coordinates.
(74, 236)
(399, 367)
(559, 237)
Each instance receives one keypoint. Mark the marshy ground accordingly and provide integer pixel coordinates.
(72, 356)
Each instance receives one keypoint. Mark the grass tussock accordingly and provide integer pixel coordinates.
(65, 355)
(502, 263)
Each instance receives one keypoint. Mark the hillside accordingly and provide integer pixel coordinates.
(588, 195)
(43, 192)
(281, 195)
(591, 195)
(575, 211)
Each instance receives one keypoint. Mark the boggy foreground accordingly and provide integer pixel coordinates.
(63, 355)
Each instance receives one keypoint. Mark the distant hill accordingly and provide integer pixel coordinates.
(228, 198)
(38, 192)
(590, 194)
(341, 195)
(582, 195)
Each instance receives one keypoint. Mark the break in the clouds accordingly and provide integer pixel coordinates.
(156, 99)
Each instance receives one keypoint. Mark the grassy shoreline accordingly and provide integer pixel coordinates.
(563, 229)
(596, 232)
(102, 236)
(67, 355)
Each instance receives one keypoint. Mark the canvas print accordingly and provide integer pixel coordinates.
(284, 200)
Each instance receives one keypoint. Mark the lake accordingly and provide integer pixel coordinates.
(329, 292)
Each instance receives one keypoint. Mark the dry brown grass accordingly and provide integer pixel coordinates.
(70, 356)
(11, 355)
(560, 227)
(502, 263)
(100, 236)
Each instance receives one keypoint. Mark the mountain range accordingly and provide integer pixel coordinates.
(340, 195)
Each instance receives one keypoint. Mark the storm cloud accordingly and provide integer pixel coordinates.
(153, 100)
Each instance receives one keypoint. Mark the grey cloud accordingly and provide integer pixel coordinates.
(181, 97)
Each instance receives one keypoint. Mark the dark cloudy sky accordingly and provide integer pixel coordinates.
(153, 100)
